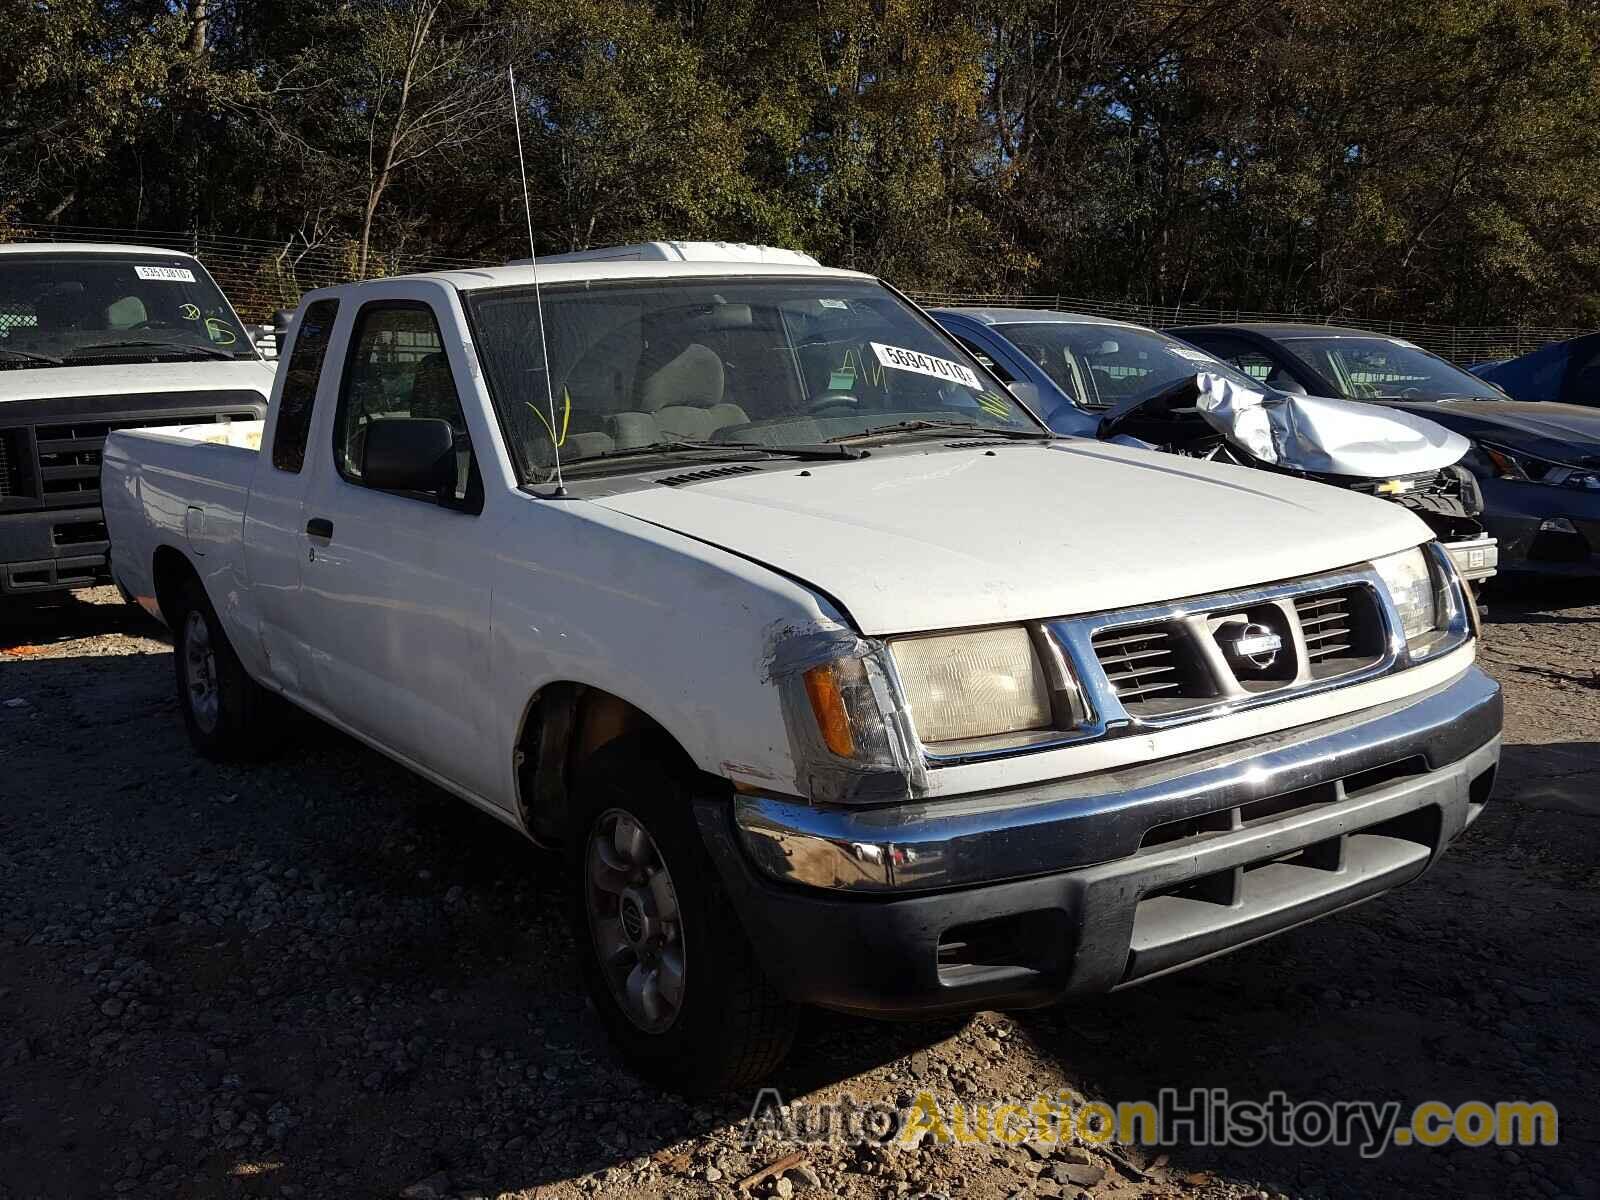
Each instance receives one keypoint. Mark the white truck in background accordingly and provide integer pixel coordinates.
(837, 677)
(95, 338)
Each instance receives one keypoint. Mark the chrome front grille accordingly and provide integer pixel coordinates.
(1189, 659)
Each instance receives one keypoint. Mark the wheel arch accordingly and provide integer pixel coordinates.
(563, 724)
(170, 569)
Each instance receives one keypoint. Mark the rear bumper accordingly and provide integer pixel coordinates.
(1090, 885)
(45, 551)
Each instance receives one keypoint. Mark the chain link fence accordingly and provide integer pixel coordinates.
(261, 276)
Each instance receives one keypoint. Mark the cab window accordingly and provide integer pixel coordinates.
(396, 367)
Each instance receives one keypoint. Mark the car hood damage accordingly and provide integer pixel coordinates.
(908, 540)
(1324, 436)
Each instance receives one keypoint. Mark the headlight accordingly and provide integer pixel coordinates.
(973, 685)
(1526, 469)
(1411, 588)
(1428, 593)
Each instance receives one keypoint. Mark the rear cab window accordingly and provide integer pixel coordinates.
(301, 374)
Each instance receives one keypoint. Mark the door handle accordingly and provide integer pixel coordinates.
(320, 527)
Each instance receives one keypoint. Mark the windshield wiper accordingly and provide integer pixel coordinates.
(142, 343)
(964, 427)
(737, 449)
(30, 356)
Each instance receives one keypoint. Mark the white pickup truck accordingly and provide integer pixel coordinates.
(787, 655)
(95, 338)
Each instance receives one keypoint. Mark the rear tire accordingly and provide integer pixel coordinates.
(672, 974)
(229, 716)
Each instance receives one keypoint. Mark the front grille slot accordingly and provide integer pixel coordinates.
(1341, 630)
(1154, 668)
(1139, 662)
(69, 457)
(1327, 625)
(10, 484)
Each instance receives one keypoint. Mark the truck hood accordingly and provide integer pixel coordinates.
(49, 383)
(1564, 433)
(918, 541)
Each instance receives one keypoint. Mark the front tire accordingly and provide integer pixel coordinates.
(229, 716)
(671, 972)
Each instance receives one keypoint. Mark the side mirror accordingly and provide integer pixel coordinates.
(409, 454)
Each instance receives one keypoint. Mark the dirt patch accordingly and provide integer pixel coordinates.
(321, 976)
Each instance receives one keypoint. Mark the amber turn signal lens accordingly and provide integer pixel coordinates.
(827, 703)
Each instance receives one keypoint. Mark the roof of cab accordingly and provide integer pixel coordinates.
(87, 248)
(683, 251)
(474, 279)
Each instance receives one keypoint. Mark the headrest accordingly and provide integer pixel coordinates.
(694, 377)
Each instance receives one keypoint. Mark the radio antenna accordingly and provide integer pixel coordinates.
(538, 298)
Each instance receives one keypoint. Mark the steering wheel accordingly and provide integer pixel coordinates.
(149, 323)
(824, 401)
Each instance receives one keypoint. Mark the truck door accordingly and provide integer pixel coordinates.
(274, 531)
(395, 604)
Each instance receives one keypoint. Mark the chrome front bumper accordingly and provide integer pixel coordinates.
(1080, 822)
(1022, 897)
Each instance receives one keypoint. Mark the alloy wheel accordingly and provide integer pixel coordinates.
(634, 921)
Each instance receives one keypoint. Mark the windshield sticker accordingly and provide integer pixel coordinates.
(220, 331)
(833, 303)
(168, 274)
(1191, 353)
(189, 312)
(995, 405)
(925, 364)
(842, 381)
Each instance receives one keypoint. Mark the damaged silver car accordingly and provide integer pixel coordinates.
(1091, 377)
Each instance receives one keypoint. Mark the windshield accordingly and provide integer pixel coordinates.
(1380, 368)
(745, 361)
(73, 309)
(1101, 366)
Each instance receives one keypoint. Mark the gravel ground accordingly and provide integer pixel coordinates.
(321, 976)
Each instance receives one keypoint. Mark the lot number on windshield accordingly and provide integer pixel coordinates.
(925, 364)
(170, 274)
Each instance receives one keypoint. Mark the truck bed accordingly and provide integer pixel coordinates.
(185, 486)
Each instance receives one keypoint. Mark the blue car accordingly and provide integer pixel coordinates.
(1561, 373)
